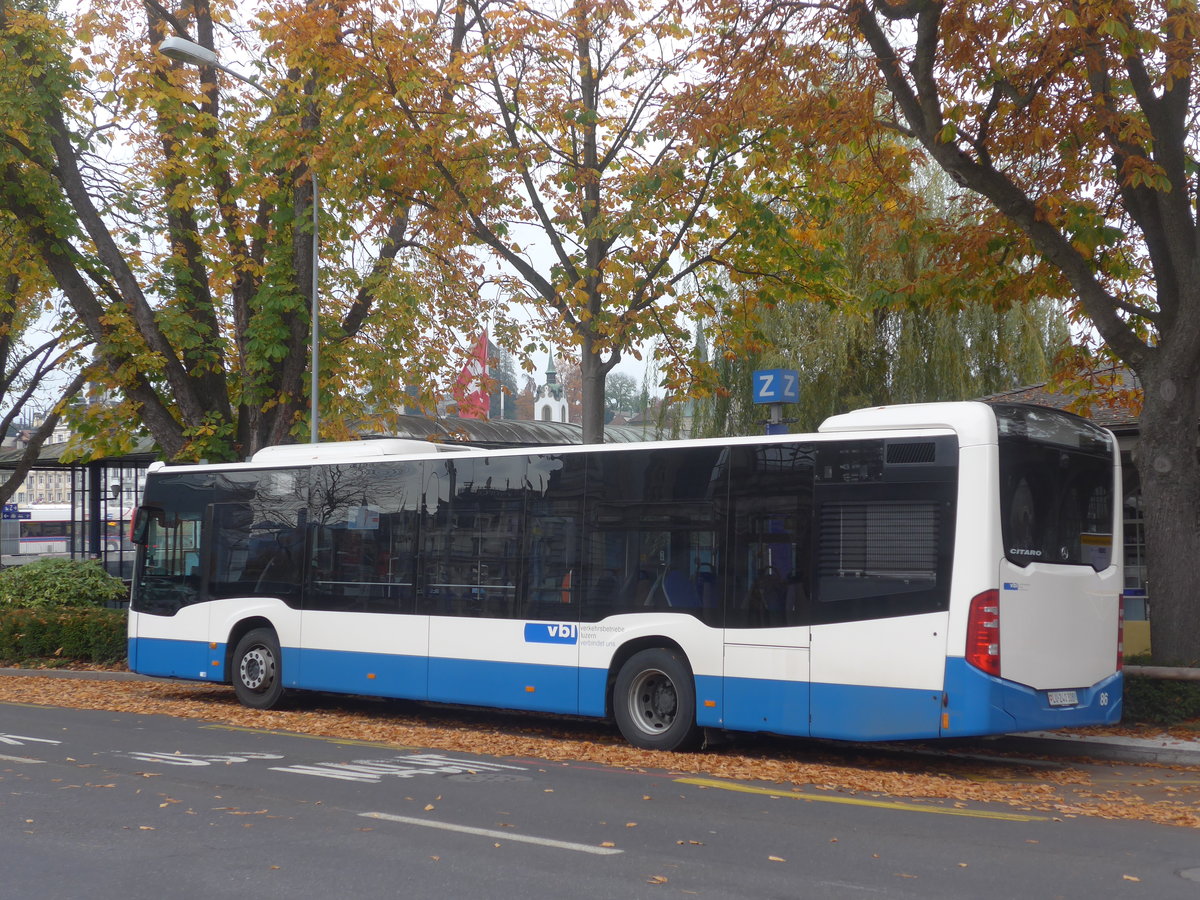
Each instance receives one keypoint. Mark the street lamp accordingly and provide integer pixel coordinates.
(183, 50)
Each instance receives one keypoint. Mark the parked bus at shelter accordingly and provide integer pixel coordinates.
(54, 528)
(906, 572)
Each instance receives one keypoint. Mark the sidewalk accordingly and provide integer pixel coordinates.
(1163, 749)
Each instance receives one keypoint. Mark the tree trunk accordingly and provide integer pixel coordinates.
(592, 373)
(1167, 463)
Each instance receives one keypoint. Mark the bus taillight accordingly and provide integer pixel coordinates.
(1120, 632)
(983, 632)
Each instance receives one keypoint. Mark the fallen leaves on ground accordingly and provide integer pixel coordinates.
(1064, 791)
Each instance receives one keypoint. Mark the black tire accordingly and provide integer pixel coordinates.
(257, 670)
(654, 701)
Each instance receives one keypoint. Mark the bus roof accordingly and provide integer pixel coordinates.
(974, 422)
(341, 451)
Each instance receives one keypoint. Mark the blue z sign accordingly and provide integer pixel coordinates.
(776, 386)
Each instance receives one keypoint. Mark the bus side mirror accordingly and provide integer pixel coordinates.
(140, 525)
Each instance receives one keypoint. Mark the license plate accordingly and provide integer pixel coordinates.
(1063, 698)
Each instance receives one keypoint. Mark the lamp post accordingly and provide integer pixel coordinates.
(183, 50)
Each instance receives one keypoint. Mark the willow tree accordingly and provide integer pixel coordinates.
(1076, 122)
(907, 313)
(848, 357)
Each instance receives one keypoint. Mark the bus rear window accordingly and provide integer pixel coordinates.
(1056, 488)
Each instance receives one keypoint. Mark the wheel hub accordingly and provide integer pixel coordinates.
(653, 702)
(257, 668)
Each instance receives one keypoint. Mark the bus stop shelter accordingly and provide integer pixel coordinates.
(98, 492)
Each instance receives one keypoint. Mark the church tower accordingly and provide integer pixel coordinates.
(551, 403)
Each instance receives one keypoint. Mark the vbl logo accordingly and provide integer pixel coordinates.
(547, 633)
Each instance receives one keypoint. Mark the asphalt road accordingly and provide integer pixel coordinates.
(105, 805)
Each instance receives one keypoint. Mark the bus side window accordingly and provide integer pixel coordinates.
(885, 533)
(653, 519)
(553, 583)
(771, 503)
(230, 549)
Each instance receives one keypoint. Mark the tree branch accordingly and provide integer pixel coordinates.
(923, 114)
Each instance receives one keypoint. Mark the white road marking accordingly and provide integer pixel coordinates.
(497, 835)
(20, 759)
(374, 770)
(19, 739)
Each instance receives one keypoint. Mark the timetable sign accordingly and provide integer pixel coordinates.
(776, 386)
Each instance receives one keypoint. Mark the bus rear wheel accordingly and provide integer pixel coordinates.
(654, 701)
(257, 674)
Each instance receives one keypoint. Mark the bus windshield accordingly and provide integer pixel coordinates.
(1056, 488)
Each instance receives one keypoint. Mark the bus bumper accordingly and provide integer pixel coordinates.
(976, 703)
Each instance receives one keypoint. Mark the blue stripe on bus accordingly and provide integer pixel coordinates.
(381, 674)
(979, 703)
(710, 689)
(504, 684)
(593, 692)
(856, 712)
(976, 703)
(192, 660)
(762, 704)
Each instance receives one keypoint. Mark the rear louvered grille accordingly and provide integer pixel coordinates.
(910, 453)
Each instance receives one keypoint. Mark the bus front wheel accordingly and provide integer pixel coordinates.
(654, 701)
(257, 675)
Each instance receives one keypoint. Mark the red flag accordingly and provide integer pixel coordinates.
(470, 389)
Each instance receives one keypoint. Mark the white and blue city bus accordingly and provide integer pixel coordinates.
(907, 572)
(51, 528)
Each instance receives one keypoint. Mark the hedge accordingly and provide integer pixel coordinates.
(58, 582)
(1158, 701)
(92, 635)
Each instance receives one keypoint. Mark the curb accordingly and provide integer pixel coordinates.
(1165, 750)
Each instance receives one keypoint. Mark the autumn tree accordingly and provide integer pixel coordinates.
(1076, 122)
(173, 208)
(570, 376)
(38, 371)
(526, 397)
(566, 143)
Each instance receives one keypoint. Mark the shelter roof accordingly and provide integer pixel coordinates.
(143, 453)
(1108, 403)
(496, 433)
(503, 432)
